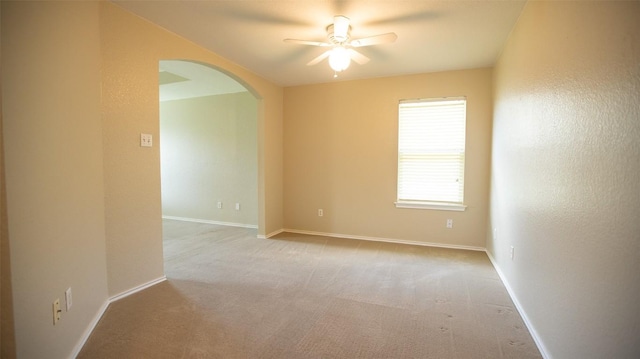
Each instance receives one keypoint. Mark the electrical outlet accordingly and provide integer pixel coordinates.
(68, 299)
(320, 213)
(57, 312)
(449, 223)
(219, 205)
(511, 252)
(146, 140)
(237, 206)
(495, 234)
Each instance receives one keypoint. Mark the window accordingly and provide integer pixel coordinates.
(431, 152)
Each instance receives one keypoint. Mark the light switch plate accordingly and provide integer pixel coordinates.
(56, 311)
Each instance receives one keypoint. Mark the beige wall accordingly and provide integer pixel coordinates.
(54, 174)
(209, 153)
(340, 145)
(565, 172)
(131, 50)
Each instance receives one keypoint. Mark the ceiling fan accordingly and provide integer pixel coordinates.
(342, 47)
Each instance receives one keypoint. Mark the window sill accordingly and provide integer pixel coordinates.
(432, 205)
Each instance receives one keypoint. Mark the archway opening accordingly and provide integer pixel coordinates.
(208, 146)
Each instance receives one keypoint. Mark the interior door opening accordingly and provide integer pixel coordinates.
(208, 146)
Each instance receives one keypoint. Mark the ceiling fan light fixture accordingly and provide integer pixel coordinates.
(341, 45)
(339, 59)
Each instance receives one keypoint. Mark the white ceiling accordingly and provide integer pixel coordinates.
(433, 35)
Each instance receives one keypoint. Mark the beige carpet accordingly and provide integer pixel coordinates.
(230, 295)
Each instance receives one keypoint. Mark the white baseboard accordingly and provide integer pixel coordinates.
(196, 220)
(274, 233)
(103, 308)
(133, 290)
(388, 240)
(520, 309)
(87, 333)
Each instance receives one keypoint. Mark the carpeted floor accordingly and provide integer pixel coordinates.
(230, 295)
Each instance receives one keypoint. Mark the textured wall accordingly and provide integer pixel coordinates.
(209, 154)
(341, 149)
(54, 174)
(566, 163)
(131, 50)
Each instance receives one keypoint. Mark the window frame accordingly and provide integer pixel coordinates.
(422, 203)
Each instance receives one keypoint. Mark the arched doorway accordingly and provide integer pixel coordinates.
(208, 146)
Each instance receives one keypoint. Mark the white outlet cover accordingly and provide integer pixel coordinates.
(146, 140)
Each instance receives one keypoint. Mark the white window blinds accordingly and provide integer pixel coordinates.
(431, 149)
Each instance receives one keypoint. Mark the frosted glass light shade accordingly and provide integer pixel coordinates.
(339, 59)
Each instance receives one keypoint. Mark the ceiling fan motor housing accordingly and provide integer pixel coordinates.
(337, 38)
(338, 32)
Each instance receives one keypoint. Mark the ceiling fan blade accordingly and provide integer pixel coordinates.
(358, 57)
(305, 42)
(319, 58)
(340, 27)
(375, 40)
